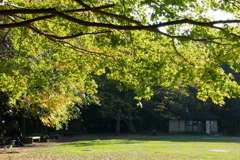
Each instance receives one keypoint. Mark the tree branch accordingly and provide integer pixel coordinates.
(210, 40)
(153, 28)
(52, 37)
(77, 35)
(174, 46)
(94, 24)
(27, 11)
(24, 23)
(64, 37)
(139, 24)
(89, 9)
(48, 10)
(112, 26)
(235, 35)
(109, 14)
(232, 3)
(13, 5)
(150, 27)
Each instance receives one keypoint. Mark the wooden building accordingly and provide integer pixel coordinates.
(202, 122)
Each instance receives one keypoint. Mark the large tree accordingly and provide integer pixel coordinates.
(117, 105)
(59, 45)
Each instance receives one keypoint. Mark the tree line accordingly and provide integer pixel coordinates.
(52, 51)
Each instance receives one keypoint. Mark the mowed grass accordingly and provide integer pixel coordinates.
(160, 147)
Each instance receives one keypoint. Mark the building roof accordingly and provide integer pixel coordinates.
(201, 116)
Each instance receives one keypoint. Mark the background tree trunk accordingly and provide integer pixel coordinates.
(118, 120)
(129, 122)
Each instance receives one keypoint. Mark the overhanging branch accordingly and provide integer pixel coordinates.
(26, 11)
(48, 10)
(118, 27)
(136, 25)
(25, 23)
(107, 13)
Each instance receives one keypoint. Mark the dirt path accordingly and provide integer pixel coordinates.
(38, 145)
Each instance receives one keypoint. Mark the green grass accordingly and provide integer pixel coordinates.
(162, 147)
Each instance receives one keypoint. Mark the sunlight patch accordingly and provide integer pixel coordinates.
(219, 150)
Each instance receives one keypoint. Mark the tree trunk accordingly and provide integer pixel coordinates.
(45, 129)
(41, 127)
(2, 129)
(117, 126)
(22, 124)
(130, 126)
(129, 122)
(36, 126)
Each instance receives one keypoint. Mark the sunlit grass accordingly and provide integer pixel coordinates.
(162, 147)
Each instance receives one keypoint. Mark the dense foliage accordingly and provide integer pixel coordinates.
(58, 46)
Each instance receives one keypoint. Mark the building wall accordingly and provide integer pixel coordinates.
(191, 129)
(176, 126)
(188, 128)
(200, 126)
(214, 126)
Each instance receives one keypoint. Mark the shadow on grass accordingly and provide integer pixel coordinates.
(140, 139)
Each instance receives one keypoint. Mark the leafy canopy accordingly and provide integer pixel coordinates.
(58, 46)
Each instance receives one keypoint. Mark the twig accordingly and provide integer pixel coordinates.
(174, 46)
(108, 14)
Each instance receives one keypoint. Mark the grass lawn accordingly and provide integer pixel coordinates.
(159, 147)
